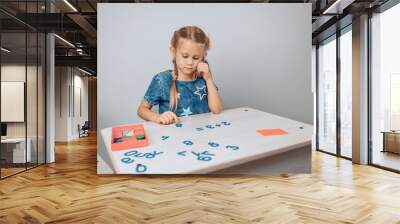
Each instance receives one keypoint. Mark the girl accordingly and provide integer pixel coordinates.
(188, 88)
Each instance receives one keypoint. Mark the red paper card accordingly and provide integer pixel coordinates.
(124, 137)
(271, 132)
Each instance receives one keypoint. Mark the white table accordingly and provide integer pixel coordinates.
(19, 149)
(237, 139)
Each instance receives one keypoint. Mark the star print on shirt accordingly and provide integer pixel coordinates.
(186, 112)
(201, 91)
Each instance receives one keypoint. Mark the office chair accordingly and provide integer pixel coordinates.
(84, 130)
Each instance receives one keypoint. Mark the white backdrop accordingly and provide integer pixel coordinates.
(260, 56)
(12, 101)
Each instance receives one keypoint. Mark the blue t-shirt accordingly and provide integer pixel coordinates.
(192, 95)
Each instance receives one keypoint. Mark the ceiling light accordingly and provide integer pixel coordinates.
(86, 72)
(338, 6)
(5, 50)
(64, 40)
(331, 7)
(70, 5)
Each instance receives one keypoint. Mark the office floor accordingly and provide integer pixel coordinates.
(10, 171)
(70, 191)
(14, 169)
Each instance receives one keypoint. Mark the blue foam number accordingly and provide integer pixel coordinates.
(164, 137)
(233, 147)
(131, 153)
(207, 153)
(139, 155)
(151, 155)
(209, 126)
(182, 153)
(178, 125)
(204, 158)
(187, 142)
(127, 160)
(148, 155)
(213, 144)
(226, 123)
(140, 168)
(218, 125)
(201, 157)
(199, 129)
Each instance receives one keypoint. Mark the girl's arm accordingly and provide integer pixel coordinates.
(214, 99)
(144, 111)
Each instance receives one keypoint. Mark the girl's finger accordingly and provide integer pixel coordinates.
(164, 115)
(163, 121)
(159, 119)
(169, 116)
(176, 118)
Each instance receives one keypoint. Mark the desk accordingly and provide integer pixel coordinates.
(17, 151)
(207, 143)
(391, 141)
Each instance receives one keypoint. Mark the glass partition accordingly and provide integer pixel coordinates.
(346, 93)
(13, 94)
(385, 89)
(22, 78)
(327, 96)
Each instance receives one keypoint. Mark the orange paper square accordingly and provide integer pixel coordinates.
(271, 132)
(132, 142)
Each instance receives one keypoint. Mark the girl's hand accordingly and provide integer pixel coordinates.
(168, 117)
(204, 70)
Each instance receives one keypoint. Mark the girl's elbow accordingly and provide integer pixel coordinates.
(139, 111)
(216, 111)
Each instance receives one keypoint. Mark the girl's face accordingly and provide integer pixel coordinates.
(188, 55)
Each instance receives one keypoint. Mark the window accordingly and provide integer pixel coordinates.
(346, 93)
(385, 89)
(327, 96)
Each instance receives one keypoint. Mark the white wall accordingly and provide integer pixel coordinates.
(67, 80)
(80, 83)
(15, 72)
(12, 101)
(260, 55)
(61, 103)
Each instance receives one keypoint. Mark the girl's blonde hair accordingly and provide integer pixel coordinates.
(195, 34)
